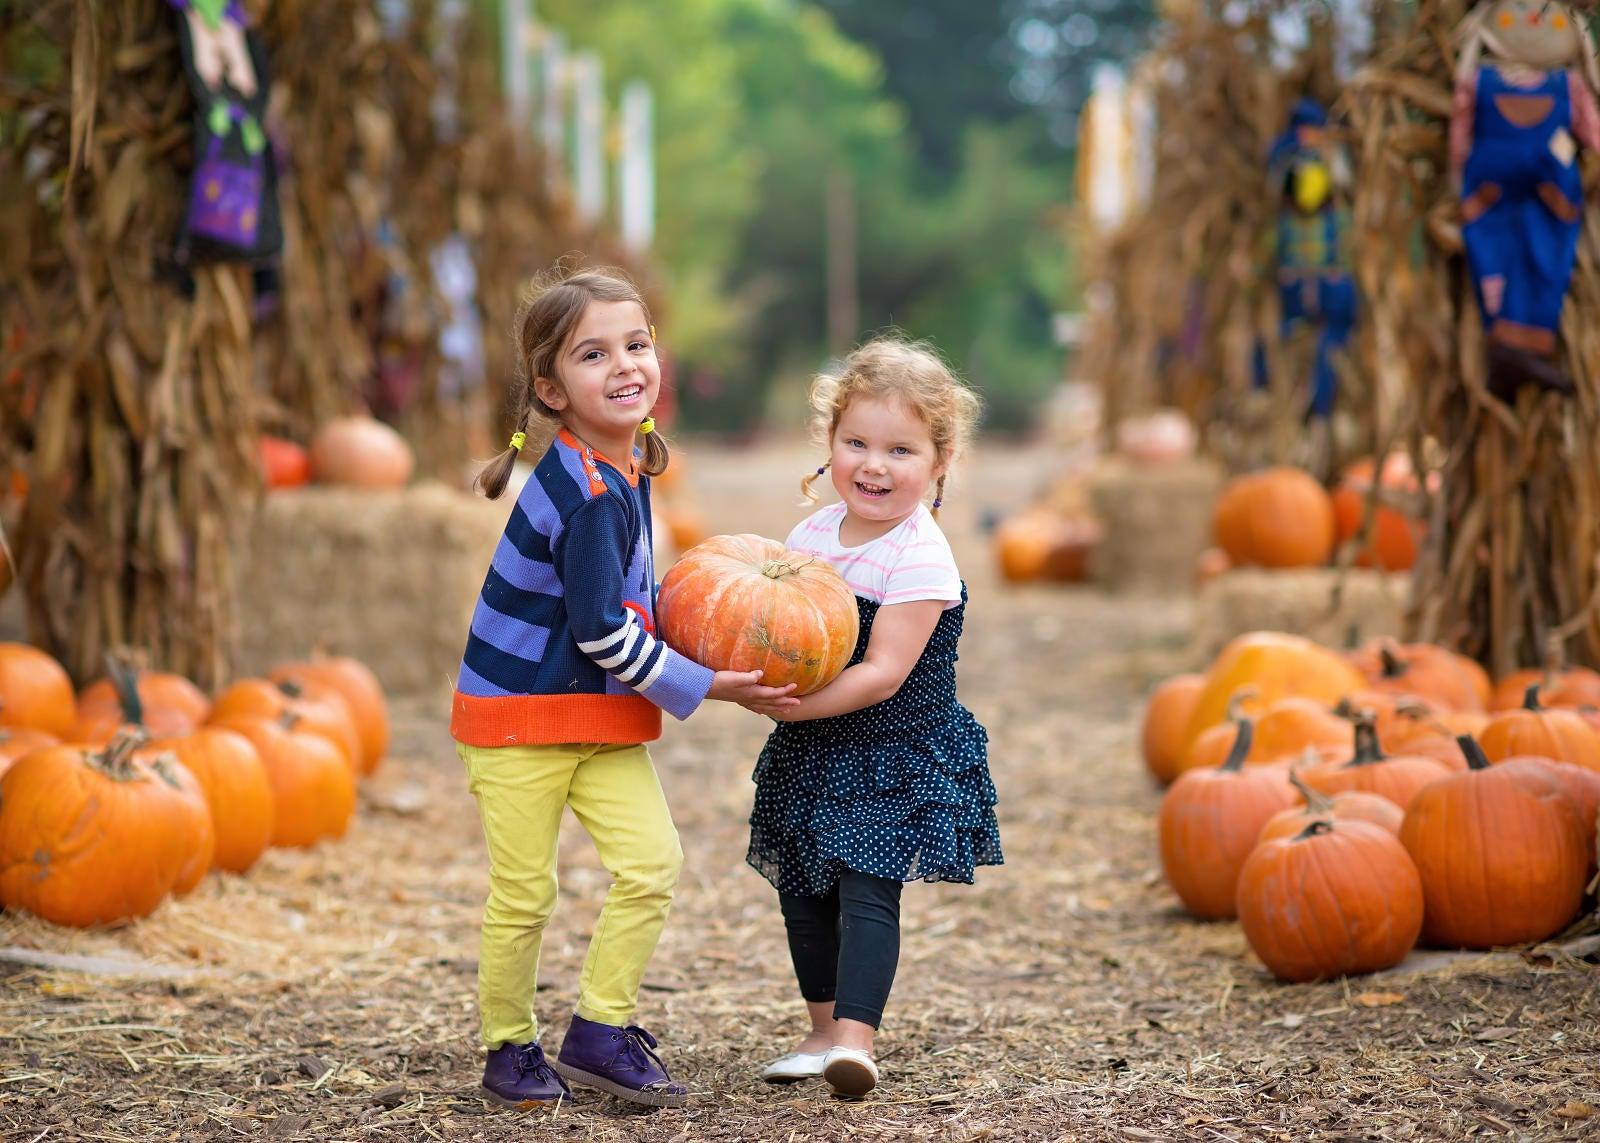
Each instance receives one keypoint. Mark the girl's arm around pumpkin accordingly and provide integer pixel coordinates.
(899, 634)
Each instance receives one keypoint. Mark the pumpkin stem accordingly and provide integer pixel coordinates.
(1476, 758)
(291, 688)
(1368, 749)
(1394, 666)
(1316, 801)
(1236, 703)
(777, 569)
(124, 676)
(1530, 698)
(116, 759)
(1241, 746)
(1314, 829)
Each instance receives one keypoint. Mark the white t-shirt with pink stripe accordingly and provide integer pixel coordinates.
(912, 561)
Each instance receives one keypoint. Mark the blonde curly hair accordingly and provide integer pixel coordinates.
(893, 369)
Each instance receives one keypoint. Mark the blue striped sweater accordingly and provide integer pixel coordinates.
(562, 646)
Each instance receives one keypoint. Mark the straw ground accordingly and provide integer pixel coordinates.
(329, 994)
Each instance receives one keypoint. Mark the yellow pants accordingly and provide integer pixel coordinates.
(617, 797)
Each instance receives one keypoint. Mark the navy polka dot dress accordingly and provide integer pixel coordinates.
(900, 790)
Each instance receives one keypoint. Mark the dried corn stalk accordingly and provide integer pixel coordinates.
(1511, 551)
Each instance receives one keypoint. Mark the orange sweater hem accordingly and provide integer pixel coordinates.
(543, 720)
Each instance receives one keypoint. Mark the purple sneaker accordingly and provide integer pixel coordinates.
(518, 1075)
(619, 1061)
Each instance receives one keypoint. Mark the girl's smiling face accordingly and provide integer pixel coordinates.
(883, 461)
(609, 377)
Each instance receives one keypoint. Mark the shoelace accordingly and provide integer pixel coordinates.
(637, 1044)
(531, 1061)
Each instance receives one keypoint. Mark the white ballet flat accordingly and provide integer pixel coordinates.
(850, 1071)
(793, 1067)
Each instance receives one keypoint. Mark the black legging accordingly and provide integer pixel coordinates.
(845, 946)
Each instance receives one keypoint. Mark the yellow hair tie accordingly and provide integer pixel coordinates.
(518, 440)
(652, 333)
(647, 426)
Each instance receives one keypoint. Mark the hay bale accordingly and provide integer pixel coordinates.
(1157, 521)
(1303, 601)
(388, 577)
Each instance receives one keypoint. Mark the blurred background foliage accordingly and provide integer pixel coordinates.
(950, 121)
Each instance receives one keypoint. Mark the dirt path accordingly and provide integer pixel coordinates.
(329, 995)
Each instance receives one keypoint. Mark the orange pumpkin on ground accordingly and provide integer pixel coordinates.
(234, 782)
(192, 832)
(1559, 684)
(1279, 518)
(1166, 716)
(1336, 898)
(87, 837)
(1582, 786)
(1397, 777)
(363, 694)
(1347, 805)
(313, 786)
(168, 704)
(1396, 529)
(1274, 666)
(746, 603)
(326, 713)
(360, 452)
(15, 744)
(1546, 732)
(1500, 852)
(35, 692)
(1430, 673)
(1283, 731)
(1209, 823)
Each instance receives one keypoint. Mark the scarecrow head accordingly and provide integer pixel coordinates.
(1542, 35)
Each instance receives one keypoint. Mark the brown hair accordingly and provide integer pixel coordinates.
(911, 372)
(549, 312)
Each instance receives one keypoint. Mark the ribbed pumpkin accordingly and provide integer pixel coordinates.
(1581, 785)
(1396, 528)
(313, 786)
(1209, 822)
(1279, 518)
(1421, 669)
(86, 836)
(1274, 666)
(15, 744)
(169, 704)
(234, 782)
(745, 603)
(1500, 851)
(35, 692)
(1559, 684)
(1397, 777)
(1282, 731)
(1336, 898)
(325, 713)
(1546, 732)
(1347, 805)
(191, 831)
(1166, 717)
(363, 694)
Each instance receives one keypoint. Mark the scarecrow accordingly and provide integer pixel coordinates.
(1316, 288)
(232, 209)
(1524, 103)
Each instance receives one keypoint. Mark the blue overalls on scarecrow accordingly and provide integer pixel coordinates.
(1315, 284)
(1521, 210)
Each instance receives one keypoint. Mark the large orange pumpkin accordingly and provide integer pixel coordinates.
(168, 704)
(191, 833)
(1209, 822)
(354, 681)
(1421, 669)
(86, 837)
(1166, 716)
(1500, 852)
(1282, 732)
(361, 452)
(326, 713)
(1347, 805)
(1581, 785)
(234, 782)
(1396, 528)
(1559, 684)
(35, 692)
(1336, 898)
(1274, 666)
(1397, 777)
(746, 603)
(1279, 518)
(1547, 732)
(313, 786)
(1041, 543)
